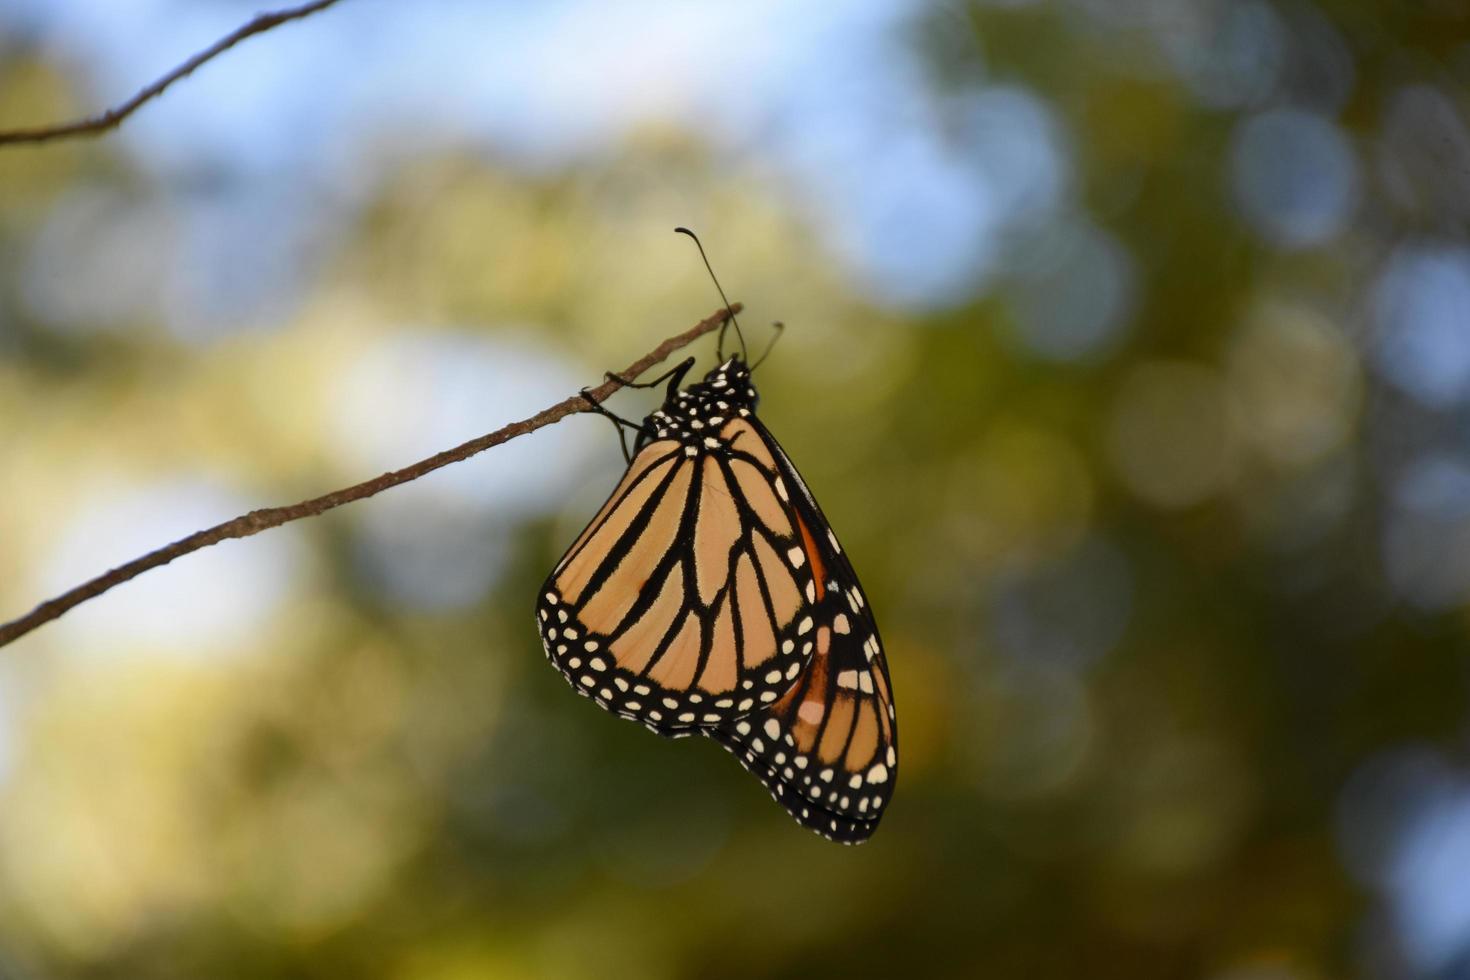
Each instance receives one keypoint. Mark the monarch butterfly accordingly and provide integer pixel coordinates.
(709, 596)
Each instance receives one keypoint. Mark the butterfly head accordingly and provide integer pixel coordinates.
(697, 412)
(727, 384)
(733, 374)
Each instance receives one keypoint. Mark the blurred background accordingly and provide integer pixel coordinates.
(1128, 352)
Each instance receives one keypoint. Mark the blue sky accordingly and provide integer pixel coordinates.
(827, 99)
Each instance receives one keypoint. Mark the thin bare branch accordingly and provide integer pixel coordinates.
(96, 125)
(259, 520)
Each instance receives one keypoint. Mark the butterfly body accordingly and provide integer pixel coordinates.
(709, 596)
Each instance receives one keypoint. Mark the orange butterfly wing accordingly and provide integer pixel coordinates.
(683, 604)
(827, 749)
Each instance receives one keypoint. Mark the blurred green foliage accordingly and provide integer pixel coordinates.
(1140, 606)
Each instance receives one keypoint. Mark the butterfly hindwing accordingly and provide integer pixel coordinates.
(827, 749)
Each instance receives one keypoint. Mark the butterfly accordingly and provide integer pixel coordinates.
(709, 596)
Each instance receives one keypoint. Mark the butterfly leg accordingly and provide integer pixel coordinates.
(618, 422)
(676, 373)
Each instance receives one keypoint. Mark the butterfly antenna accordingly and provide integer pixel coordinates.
(778, 327)
(744, 354)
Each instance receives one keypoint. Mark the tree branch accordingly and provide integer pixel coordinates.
(259, 520)
(110, 119)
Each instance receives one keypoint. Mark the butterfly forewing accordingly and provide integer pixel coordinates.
(681, 603)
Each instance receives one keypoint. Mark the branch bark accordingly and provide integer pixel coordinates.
(260, 520)
(96, 125)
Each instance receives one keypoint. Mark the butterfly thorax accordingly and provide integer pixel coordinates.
(695, 415)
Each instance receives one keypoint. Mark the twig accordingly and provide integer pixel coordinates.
(259, 520)
(95, 125)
